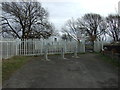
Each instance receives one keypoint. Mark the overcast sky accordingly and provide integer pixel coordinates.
(62, 10)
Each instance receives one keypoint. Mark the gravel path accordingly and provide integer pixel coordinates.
(87, 71)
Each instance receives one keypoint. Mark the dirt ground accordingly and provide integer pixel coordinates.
(87, 71)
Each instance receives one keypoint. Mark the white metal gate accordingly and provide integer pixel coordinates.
(27, 47)
(35, 47)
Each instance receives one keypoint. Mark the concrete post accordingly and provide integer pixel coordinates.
(46, 54)
(62, 53)
(75, 53)
(83, 46)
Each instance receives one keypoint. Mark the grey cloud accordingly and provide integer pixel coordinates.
(61, 11)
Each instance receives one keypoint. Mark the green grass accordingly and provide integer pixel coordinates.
(108, 59)
(65, 54)
(9, 66)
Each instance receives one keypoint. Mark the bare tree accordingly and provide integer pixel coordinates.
(91, 22)
(66, 37)
(72, 29)
(25, 20)
(103, 27)
(113, 29)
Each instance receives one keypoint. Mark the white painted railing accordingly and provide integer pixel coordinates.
(8, 48)
(17, 47)
(34, 47)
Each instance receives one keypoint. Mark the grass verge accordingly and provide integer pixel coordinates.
(9, 66)
(108, 59)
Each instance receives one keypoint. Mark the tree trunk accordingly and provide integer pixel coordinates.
(92, 45)
(78, 46)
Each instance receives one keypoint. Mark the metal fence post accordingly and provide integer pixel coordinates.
(7, 50)
(16, 48)
(1, 49)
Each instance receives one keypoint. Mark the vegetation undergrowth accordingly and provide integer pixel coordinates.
(106, 58)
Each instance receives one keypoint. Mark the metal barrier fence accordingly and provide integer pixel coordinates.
(13, 47)
(27, 47)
